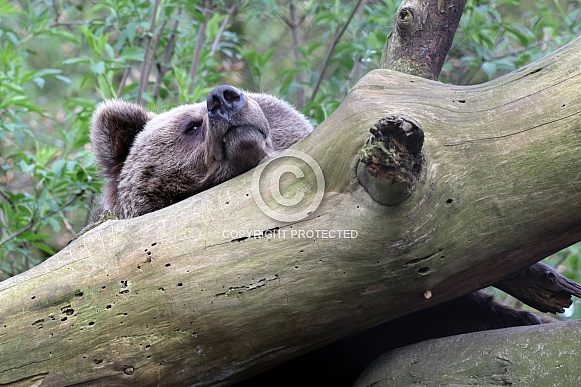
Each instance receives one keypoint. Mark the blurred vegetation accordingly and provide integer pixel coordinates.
(59, 59)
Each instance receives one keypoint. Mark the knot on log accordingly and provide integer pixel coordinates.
(391, 160)
(407, 22)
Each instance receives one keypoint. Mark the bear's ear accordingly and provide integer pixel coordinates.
(113, 129)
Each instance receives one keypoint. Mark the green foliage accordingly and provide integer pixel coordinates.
(45, 170)
(496, 37)
(59, 59)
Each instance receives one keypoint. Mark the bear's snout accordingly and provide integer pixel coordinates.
(223, 102)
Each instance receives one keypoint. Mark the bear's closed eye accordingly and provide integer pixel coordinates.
(190, 127)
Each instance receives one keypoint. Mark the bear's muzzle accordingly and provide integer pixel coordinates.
(224, 102)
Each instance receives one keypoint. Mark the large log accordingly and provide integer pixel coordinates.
(540, 355)
(179, 296)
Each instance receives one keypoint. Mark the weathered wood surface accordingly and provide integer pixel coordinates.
(540, 355)
(175, 297)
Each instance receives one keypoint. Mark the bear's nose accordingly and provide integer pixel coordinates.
(224, 101)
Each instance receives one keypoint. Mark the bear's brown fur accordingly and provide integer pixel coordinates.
(151, 161)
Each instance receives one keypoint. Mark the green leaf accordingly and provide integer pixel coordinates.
(8, 9)
(64, 79)
(267, 55)
(523, 34)
(46, 72)
(98, 67)
(110, 50)
(43, 247)
(32, 236)
(76, 60)
(39, 82)
(58, 166)
(131, 54)
(489, 69)
(24, 167)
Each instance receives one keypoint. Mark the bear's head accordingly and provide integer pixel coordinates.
(151, 161)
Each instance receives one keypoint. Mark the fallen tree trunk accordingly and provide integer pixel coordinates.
(211, 289)
(539, 355)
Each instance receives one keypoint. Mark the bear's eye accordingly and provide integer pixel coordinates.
(192, 126)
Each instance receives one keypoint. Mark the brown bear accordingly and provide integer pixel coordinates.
(151, 161)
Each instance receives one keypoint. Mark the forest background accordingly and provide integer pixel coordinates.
(59, 59)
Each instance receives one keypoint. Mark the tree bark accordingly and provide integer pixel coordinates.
(541, 287)
(539, 355)
(423, 35)
(179, 296)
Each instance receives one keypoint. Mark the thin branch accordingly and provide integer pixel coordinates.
(542, 42)
(7, 198)
(199, 46)
(161, 67)
(338, 35)
(294, 25)
(2, 214)
(70, 23)
(90, 209)
(146, 56)
(127, 71)
(354, 74)
(155, 45)
(58, 12)
(67, 224)
(231, 11)
(123, 81)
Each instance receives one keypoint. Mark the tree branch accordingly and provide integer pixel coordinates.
(294, 25)
(541, 287)
(422, 37)
(199, 46)
(334, 43)
(161, 66)
(7, 198)
(231, 11)
(148, 56)
(123, 81)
